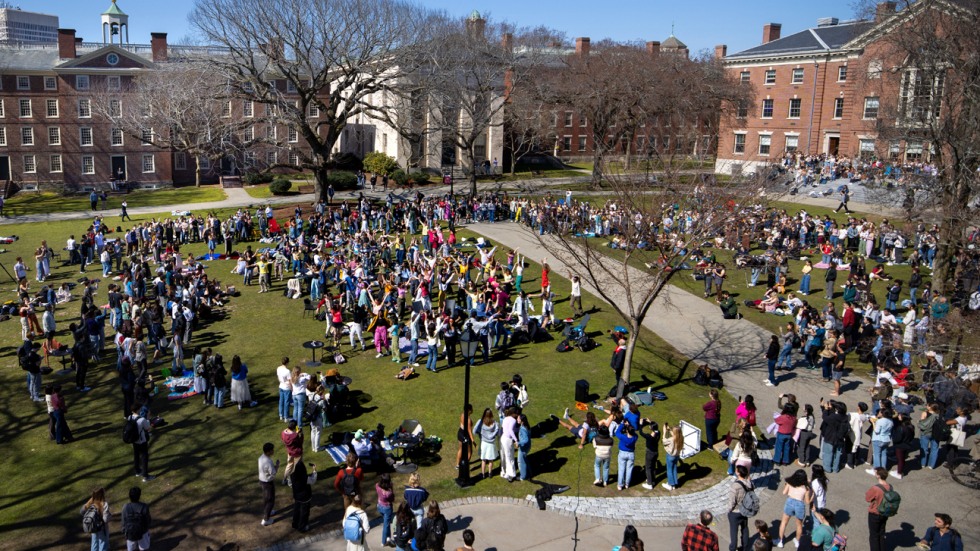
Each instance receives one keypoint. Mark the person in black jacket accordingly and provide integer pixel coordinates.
(834, 429)
(618, 359)
(302, 495)
(652, 440)
(431, 535)
(830, 278)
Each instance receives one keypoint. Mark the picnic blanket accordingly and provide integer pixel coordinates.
(405, 346)
(824, 266)
(180, 387)
(337, 453)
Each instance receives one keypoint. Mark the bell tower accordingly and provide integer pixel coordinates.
(115, 25)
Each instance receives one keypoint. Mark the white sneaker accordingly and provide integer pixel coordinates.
(566, 413)
(768, 382)
(379, 355)
(646, 486)
(667, 486)
(779, 543)
(796, 542)
(895, 474)
(267, 522)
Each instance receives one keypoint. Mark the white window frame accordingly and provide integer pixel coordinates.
(54, 163)
(248, 108)
(290, 87)
(765, 140)
(292, 135)
(27, 136)
(799, 109)
(745, 76)
(151, 159)
(143, 136)
(770, 77)
(842, 73)
(271, 131)
(874, 69)
(204, 162)
(293, 158)
(3, 137)
(113, 82)
(3, 112)
(569, 119)
(23, 82)
(583, 143)
(226, 110)
(248, 135)
(797, 72)
(50, 83)
(772, 108)
(84, 131)
(82, 82)
(84, 108)
(47, 108)
(115, 107)
(180, 161)
(872, 106)
(54, 135)
(30, 164)
(88, 164)
(840, 102)
(116, 133)
(30, 108)
(795, 146)
(271, 157)
(313, 111)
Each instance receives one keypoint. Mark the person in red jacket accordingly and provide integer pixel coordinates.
(348, 481)
(698, 537)
(292, 438)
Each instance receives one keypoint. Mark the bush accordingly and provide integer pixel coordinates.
(280, 186)
(399, 177)
(256, 178)
(379, 163)
(342, 180)
(420, 178)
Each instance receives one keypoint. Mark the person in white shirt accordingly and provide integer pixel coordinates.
(576, 296)
(285, 389)
(267, 478)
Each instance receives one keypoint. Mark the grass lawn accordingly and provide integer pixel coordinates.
(205, 458)
(28, 202)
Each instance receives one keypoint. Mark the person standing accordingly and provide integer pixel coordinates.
(672, 447)
(941, 536)
(652, 456)
(356, 510)
(302, 484)
(876, 521)
(712, 416)
(618, 360)
(136, 522)
(267, 479)
(508, 438)
(698, 537)
(830, 279)
(627, 454)
(93, 199)
(285, 388)
(386, 503)
(772, 354)
(100, 533)
(141, 445)
(292, 437)
(124, 215)
(523, 446)
(881, 438)
(415, 497)
(736, 519)
(575, 299)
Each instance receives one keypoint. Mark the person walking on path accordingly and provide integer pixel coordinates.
(575, 299)
(136, 522)
(356, 509)
(292, 437)
(698, 537)
(124, 215)
(736, 519)
(416, 496)
(100, 534)
(772, 355)
(141, 445)
(267, 479)
(798, 498)
(877, 521)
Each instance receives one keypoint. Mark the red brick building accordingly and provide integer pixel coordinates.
(818, 91)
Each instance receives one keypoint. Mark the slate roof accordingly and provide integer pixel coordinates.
(816, 39)
(673, 42)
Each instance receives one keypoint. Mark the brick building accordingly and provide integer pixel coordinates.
(821, 90)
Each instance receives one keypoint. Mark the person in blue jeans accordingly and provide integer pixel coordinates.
(881, 438)
(524, 446)
(785, 426)
(928, 445)
(785, 359)
(805, 277)
(772, 354)
(386, 499)
(627, 448)
(285, 388)
(673, 445)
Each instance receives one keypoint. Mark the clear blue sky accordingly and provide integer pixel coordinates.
(699, 23)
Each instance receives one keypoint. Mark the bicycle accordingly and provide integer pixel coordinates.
(966, 470)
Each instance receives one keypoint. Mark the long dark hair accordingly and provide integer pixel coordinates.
(818, 474)
(749, 402)
(405, 515)
(385, 482)
(797, 479)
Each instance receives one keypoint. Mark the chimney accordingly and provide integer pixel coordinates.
(721, 51)
(158, 44)
(653, 47)
(770, 32)
(507, 42)
(884, 10)
(582, 46)
(476, 26)
(66, 44)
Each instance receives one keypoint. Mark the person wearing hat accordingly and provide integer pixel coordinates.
(941, 536)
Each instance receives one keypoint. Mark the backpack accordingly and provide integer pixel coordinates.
(564, 346)
(940, 430)
(750, 504)
(403, 533)
(353, 531)
(839, 543)
(889, 502)
(134, 520)
(349, 483)
(435, 536)
(92, 520)
(131, 431)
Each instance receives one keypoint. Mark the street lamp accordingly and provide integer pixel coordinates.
(468, 342)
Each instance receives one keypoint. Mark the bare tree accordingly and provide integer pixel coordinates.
(527, 127)
(176, 107)
(333, 57)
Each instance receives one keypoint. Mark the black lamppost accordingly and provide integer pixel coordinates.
(468, 342)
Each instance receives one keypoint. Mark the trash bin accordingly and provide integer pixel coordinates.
(582, 391)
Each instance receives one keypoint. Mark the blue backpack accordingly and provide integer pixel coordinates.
(353, 531)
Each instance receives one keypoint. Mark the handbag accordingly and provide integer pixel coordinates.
(958, 436)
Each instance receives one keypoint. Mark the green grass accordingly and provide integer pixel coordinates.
(640, 164)
(205, 458)
(28, 202)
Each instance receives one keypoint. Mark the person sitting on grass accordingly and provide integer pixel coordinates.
(583, 432)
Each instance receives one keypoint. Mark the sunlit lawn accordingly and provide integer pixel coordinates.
(29, 202)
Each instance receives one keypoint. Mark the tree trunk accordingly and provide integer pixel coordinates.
(320, 184)
(596, 168)
(955, 195)
(631, 341)
(471, 159)
(197, 170)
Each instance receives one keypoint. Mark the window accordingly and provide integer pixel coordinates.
(146, 111)
(742, 110)
(180, 161)
(584, 121)
(112, 82)
(293, 158)
(566, 143)
(913, 151)
(293, 136)
(3, 136)
(226, 109)
(115, 108)
(921, 95)
(54, 135)
(88, 164)
(313, 110)
(795, 106)
(839, 108)
(52, 108)
(871, 108)
(771, 76)
(27, 136)
(874, 69)
(23, 83)
(270, 158)
(85, 136)
(798, 76)
(739, 143)
(25, 108)
(249, 134)
(568, 118)
(894, 148)
(867, 149)
(248, 108)
(745, 76)
(290, 87)
(146, 136)
(765, 142)
(581, 143)
(842, 73)
(792, 143)
(270, 132)
(81, 82)
(204, 163)
(767, 105)
(116, 137)
(50, 83)
(30, 164)
(247, 87)
(666, 144)
(149, 165)
(85, 108)
(55, 163)
(2, 112)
